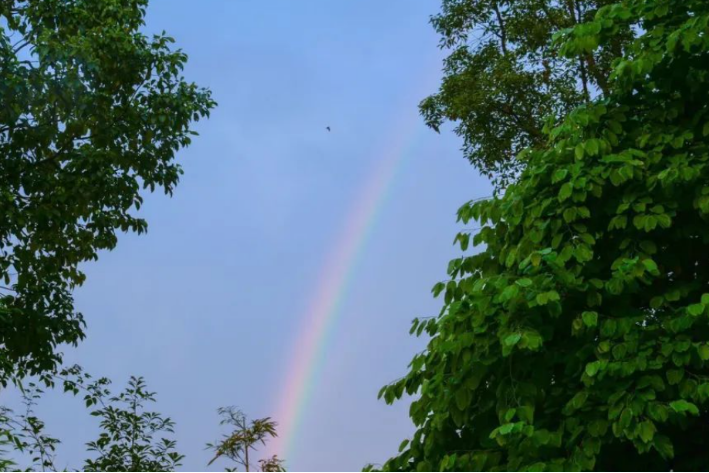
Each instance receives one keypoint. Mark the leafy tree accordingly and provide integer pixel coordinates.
(128, 441)
(92, 111)
(505, 77)
(245, 438)
(578, 338)
(131, 438)
(26, 433)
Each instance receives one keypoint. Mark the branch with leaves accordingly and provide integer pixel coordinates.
(244, 439)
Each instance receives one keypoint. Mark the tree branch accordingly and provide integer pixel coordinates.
(503, 32)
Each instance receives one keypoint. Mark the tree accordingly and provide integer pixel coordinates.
(131, 438)
(128, 441)
(92, 111)
(26, 433)
(578, 338)
(237, 445)
(505, 77)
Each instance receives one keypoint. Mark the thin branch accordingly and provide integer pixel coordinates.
(503, 32)
(16, 49)
(584, 79)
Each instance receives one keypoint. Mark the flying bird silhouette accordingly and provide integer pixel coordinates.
(327, 128)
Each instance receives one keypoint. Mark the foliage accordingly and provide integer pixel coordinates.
(26, 432)
(237, 445)
(92, 110)
(128, 441)
(505, 77)
(578, 338)
(272, 463)
(6, 441)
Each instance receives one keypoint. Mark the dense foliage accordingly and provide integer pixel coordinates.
(505, 77)
(578, 338)
(92, 110)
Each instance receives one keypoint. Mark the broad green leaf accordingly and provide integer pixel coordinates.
(703, 352)
(695, 309)
(592, 368)
(683, 406)
(590, 319)
(524, 282)
(565, 191)
(513, 339)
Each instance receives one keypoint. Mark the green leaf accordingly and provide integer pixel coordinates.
(664, 446)
(592, 368)
(657, 412)
(506, 429)
(512, 340)
(598, 428)
(703, 352)
(559, 175)
(524, 282)
(565, 191)
(683, 406)
(403, 445)
(509, 415)
(590, 319)
(695, 309)
(650, 266)
(656, 302)
(591, 147)
(462, 398)
(675, 376)
(579, 151)
(647, 431)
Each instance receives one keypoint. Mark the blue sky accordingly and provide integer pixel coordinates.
(207, 304)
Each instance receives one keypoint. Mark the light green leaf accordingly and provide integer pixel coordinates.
(512, 340)
(590, 318)
(579, 151)
(650, 266)
(592, 368)
(682, 406)
(695, 309)
(524, 282)
(591, 146)
(559, 175)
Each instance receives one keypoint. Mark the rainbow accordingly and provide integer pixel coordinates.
(321, 315)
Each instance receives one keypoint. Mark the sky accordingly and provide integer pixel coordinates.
(210, 304)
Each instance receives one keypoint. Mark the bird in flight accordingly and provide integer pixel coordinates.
(327, 128)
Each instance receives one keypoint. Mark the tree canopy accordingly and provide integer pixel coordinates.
(505, 77)
(93, 111)
(578, 337)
